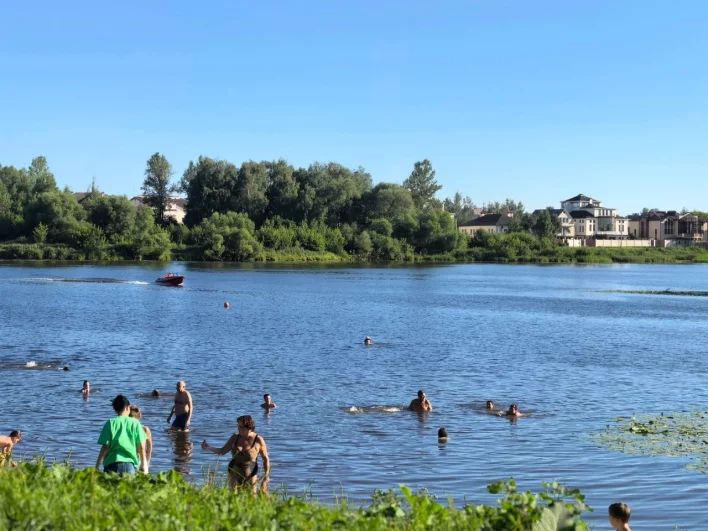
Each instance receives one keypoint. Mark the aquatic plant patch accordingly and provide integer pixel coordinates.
(667, 435)
(659, 292)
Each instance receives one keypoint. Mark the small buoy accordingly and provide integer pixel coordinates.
(226, 305)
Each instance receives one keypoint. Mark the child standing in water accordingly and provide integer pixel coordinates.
(619, 514)
(138, 415)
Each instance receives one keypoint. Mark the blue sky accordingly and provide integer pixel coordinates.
(534, 100)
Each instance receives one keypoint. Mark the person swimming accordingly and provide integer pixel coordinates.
(442, 435)
(489, 405)
(420, 404)
(367, 341)
(155, 393)
(86, 388)
(513, 411)
(268, 403)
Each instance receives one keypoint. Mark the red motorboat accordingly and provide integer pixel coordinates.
(170, 279)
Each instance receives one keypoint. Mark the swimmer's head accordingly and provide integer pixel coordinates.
(135, 412)
(442, 433)
(86, 385)
(155, 393)
(16, 434)
(513, 408)
(619, 513)
(266, 398)
(367, 340)
(65, 368)
(421, 394)
(181, 386)
(490, 404)
(120, 404)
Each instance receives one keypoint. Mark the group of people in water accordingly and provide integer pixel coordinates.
(126, 444)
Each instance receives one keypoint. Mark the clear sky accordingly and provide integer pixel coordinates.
(537, 100)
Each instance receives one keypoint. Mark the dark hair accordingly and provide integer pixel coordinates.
(120, 403)
(248, 421)
(16, 433)
(265, 396)
(490, 402)
(421, 393)
(442, 433)
(621, 511)
(513, 406)
(85, 382)
(155, 392)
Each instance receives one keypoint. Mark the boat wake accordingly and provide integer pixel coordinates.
(32, 365)
(85, 280)
(374, 409)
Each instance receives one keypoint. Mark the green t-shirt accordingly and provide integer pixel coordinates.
(122, 434)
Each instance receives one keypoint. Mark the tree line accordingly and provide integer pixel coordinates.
(246, 212)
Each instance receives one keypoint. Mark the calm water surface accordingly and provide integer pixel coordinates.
(540, 336)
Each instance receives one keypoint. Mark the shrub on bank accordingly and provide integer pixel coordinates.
(33, 496)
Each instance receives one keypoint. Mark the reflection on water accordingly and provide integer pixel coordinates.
(182, 449)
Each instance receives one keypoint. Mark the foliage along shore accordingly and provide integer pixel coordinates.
(35, 496)
(505, 251)
(273, 212)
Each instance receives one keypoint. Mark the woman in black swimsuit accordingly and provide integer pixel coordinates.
(245, 447)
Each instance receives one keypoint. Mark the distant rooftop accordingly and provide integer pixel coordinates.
(579, 197)
(489, 220)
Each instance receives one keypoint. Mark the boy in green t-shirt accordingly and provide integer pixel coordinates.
(122, 439)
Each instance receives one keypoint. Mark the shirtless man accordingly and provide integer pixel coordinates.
(512, 412)
(268, 403)
(420, 404)
(7, 443)
(86, 389)
(182, 410)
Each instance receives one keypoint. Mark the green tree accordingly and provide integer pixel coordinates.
(545, 224)
(41, 177)
(422, 184)
(210, 189)
(40, 233)
(282, 192)
(114, 215)
(157, 187)
(250, 192)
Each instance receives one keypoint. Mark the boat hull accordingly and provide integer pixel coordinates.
(170, 281)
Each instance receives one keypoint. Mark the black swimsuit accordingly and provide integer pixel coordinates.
(244, 463)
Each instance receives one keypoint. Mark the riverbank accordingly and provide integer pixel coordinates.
(60, 497)
(506, 254)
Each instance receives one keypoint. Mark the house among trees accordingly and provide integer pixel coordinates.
(592, 220)
(176, 207)
(567, 226)
(80, 196)
(496, 223)
(659, 225)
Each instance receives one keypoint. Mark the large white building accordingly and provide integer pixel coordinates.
(592, 220)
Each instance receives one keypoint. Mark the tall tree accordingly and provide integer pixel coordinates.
(250, 193)
(42, 178)
(157, 187)
(422, 184)
(210, 189)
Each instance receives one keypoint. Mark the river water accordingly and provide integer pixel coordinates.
(540, 336)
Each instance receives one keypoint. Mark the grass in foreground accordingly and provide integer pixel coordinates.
(35, 496)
